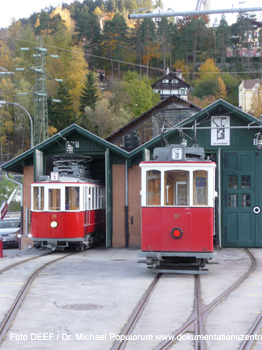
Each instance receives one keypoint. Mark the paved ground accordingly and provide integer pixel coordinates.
(84, 301)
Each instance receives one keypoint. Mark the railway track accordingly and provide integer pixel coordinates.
(195, 321)
(201, 311)
(20, 297)
(120, 344)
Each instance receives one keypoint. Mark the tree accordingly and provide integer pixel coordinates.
(208, 69)
(195, 38)
(61, 113)
(142, 97)
(103, 120)
(89, 95)
(88, 32)
(210, 82)
(115, 39)
(6, 189)
(48, 25)
(257, 102)
(145, 40)
(164, 36)
(232, 85)
(223, 38)
(242, 31)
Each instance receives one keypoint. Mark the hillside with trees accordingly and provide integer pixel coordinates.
(100, 65)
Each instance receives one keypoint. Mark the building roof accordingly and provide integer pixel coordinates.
(27, 158)
(96, 143)
(148, 114)
(220, 106)
(170, 76)
(249, 84)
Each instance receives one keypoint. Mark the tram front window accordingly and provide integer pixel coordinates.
(38, 198)
(72, 198)
(54, 199)
(153, 187)
(200, 187)
(176, 187)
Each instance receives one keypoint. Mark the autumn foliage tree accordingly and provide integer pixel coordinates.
(209, 81)
(257, 102)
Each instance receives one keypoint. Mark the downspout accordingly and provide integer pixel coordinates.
(21, 186)
(219, 199)
(126, 206)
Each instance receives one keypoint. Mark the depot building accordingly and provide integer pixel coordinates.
(229, 136)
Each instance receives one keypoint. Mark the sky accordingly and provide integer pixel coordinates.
(24, 8)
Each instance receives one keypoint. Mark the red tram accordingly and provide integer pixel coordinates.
(178, 199)
(67, 207)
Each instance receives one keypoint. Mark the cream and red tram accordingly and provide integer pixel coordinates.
(178, 199)
(67, 208)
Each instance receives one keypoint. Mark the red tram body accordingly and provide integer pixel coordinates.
(67, 208)
(178, 198)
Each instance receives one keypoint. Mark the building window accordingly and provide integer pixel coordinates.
(232, 179)
(245, 181)
(182, 92)
(245, 200)
(232, 200)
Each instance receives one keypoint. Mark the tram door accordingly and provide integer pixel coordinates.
(242, 199)
(87, 196)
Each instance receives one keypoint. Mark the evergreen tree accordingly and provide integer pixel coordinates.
(223, 36)
(61, 112)
(146, 41)
(89, 95)
(164, 36)
(88, 31)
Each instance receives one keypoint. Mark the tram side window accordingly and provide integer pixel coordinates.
(72, 198)
(92, 199)
(54, 199)
(153, 187)
(101, 197)
(94, 196)
(200, 187)
(38, 198)
(176, 187)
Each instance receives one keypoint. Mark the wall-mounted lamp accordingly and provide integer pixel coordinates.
(184, 142)
(257, 141)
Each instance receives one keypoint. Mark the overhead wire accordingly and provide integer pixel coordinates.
(124, 62)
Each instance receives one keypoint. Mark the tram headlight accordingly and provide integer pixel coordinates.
(176, 233)
(54, 224)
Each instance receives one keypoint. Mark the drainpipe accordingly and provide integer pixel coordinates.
(126, 207)
(219, 199)
(21, 186)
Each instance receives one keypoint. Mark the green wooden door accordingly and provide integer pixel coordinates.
(241, 201)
